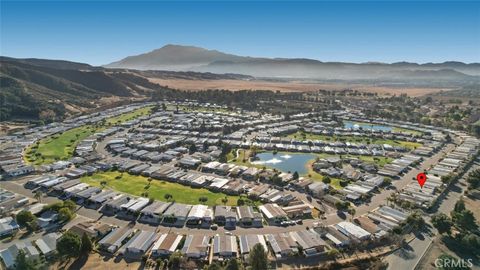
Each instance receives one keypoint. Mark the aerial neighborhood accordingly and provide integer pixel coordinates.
(206, 184)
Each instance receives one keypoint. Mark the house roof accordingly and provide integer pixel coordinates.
(224, 243)
(247, 241)
(272, 210)
(167, 241)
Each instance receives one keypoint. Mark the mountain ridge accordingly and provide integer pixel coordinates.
(191, 58)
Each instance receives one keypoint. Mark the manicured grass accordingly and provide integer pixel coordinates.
(58, 147)
(197, 109)
(129, 116)
(410, 131)
(380, 161)
(61, 146)
(243, 155)
(356, 139)
(136, 185)
(315, 176)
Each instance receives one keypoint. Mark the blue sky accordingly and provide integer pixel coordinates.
(101, 32)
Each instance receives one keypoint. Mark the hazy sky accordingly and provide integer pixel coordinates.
(102, 32)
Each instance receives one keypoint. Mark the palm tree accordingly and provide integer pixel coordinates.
(38, 195)
(225, 200)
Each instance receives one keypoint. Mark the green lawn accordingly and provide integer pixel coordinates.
(410, 131)
(61, 146)
(57, 147)
(243, 154)
(356, 139)
(136, 185)
(315, 176)
(197, 109)
(129, 116)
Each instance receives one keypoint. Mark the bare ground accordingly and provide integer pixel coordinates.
(290, 86)
(96, 261)
(472, 205)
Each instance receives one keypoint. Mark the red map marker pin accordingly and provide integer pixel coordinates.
(421, 179)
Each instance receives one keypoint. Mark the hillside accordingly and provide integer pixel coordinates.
(40, 89)
(188, 58)
(34, 89)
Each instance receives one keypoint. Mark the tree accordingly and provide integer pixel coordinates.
(65, 214)
(32, 225)
(232, 265)
(258, 258)
(352, 212)
(326, 180)
(38, 195)
(69, 245)
(295, 175)
(442, 223)
(464, 220)
(24, 217)
(225, 200)
(174, 260)
(333, 253)
(459, 206)
(472, 241)
(214, 266)
(87, 245)
(47, 115)
(342, 206)
(416, 221)
(474, 179)
(168, 196)
(22, 263)
(70, 205)
(192, 149)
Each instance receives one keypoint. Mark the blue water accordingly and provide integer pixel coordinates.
(285, 162)
(367, 126)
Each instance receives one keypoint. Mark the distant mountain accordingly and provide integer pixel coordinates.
(173, 57)
(189, 58)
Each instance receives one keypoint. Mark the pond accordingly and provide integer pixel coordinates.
(285, 162)
(367, 126)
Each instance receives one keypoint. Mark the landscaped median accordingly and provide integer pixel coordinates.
(158, 189)
(62, 146)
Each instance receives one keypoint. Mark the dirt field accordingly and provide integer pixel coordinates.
(97, 262)
(436, 249)
(472, 205)
(286, 86)
(10, 127)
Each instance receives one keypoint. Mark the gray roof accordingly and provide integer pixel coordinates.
(141, 241)
(178, 210)
(48, 243)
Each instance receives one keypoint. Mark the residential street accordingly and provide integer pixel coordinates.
(411, 256)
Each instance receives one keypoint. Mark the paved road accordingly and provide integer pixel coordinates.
(406, 179)
(409, 257)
